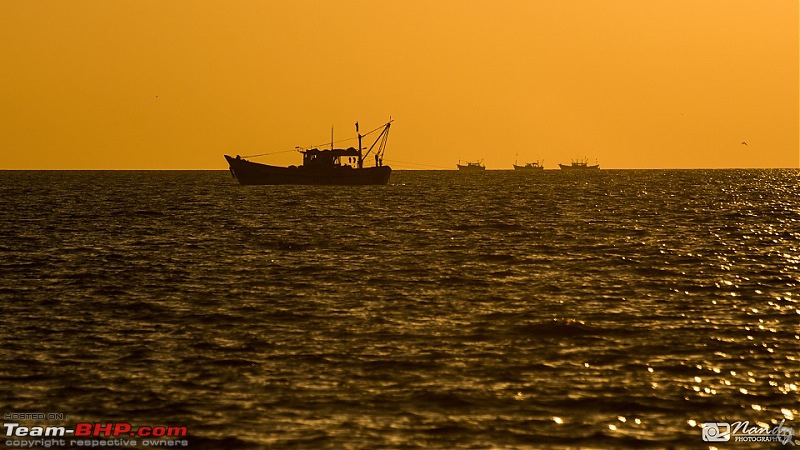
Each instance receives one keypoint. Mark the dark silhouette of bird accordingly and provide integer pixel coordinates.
(744, 143)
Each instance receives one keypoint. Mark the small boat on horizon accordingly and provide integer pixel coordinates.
(471, 166)
(530, 166)
(335, 166)
(581, 164)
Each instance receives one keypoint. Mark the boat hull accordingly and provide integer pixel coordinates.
(250, 173)
(531, 169)
(565, 167)
(471, 168)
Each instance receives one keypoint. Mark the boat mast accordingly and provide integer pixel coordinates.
(380, 139)
(360, 157)
(331, 137)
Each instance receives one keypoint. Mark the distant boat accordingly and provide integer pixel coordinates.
(335, 166)
(580, 165)
(472, 166)
(530, 166)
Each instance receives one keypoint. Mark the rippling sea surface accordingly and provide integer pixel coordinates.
(446, 310)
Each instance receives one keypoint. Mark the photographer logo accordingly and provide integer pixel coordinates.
(741, 431)
(716, 432)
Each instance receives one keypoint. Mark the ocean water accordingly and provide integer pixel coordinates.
(618, 309)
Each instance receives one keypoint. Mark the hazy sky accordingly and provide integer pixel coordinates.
(155, 84)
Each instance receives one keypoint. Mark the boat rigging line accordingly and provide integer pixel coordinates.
(297, 149)
(341, 140)
(380, 141)
(271, 153)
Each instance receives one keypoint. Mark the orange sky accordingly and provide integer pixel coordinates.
(154, 84)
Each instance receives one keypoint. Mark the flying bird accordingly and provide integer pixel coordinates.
(744, 143)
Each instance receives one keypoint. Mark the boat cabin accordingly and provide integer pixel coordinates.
(330, 158)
